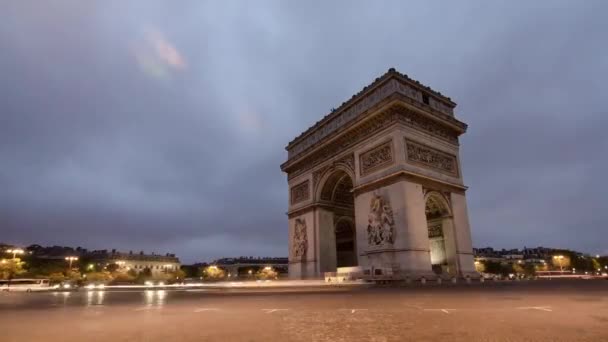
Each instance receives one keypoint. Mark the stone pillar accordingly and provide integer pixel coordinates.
(306, 265)
(326, 255)
(450, 245)
(462, 236)
(409, 254)
(416, 261)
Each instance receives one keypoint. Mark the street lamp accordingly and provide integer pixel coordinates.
(560, 258)
(15, 251)
(71, 259)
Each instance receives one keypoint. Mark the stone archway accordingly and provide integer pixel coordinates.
(390, 148)
(337, 230)
(346, 254)
(441, 238)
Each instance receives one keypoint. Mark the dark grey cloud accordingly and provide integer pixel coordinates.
(162, 126)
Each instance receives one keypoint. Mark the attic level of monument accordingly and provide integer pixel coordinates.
(390, 86)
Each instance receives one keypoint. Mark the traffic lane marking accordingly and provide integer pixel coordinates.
(146, 308)
(540, 308)
(352, 311)
(205, 309)
(268, 311)
(445, 311)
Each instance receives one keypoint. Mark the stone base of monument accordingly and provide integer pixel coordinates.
(344, 275)
(384, 275)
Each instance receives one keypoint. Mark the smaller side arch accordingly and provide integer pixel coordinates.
(326, 176)
(436, 205)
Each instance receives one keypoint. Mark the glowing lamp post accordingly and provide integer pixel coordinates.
(15, 251)
(71, 259)
(559, 258)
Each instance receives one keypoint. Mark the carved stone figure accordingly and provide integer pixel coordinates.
(380, 228)
(300, 240)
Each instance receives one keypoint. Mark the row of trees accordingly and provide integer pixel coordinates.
(83, 271)
(504, 269)
(215, 273)
(561, 260)
(58, 271)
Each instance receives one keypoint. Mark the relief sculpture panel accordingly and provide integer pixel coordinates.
(431, 158)
(381, 224)
(376, 158)
(300, 240)
(300, 192)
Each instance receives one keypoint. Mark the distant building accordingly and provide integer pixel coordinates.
(536, 255)
(245, 266)
(125, 261)
(136, 261)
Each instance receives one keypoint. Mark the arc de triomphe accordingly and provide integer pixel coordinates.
(377, 184)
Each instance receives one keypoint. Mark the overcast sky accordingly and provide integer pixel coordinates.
(160, 125)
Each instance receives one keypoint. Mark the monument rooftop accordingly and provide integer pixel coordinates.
(392, 85)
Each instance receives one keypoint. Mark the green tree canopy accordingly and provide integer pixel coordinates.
(11, 268)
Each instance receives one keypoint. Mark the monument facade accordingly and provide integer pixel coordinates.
(377, 184)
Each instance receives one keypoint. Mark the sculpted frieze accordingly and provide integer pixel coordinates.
(345, 117)
(300, 192)
(432, 158)
(300, 239)
(374, 124)
(427, 125)
(435, 230)
(376, 158)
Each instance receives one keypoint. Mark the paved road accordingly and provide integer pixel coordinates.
(528, 311)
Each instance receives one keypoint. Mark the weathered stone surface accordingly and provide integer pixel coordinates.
(376, 158)
(300, 192)
(429, 157)
(387, 163)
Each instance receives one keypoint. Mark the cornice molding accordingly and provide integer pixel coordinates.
(393, 112)
(391, 82)
(409, 176)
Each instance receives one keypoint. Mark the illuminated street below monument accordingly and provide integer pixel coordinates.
(543, 310)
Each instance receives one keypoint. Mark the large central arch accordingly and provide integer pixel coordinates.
(338, 229)
(442, 244)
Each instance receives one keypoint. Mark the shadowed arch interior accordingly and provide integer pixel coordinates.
(338, 195)
(436, 211)
(338, 188)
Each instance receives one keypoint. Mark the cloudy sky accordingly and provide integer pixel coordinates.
(161, 125)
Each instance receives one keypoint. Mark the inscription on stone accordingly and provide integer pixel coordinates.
(431, 158)
(376, 158)
(300, 192)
